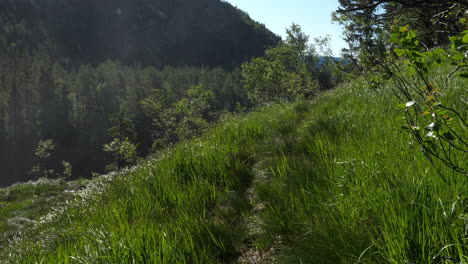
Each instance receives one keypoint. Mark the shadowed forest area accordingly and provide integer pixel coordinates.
(66, 67)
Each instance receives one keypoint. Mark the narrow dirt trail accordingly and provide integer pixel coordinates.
(253, 255)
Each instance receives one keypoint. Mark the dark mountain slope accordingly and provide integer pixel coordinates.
(151, 32)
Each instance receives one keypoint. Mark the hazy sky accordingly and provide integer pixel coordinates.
(314, 17)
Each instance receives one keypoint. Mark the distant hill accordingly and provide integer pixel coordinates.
(323, 59)
(150, 32)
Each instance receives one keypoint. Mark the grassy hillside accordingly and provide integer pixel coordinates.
(331, 181)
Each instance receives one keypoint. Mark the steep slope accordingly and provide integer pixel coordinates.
(151, 32)
(332, 181)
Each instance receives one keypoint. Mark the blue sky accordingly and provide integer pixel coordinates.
(314, 17)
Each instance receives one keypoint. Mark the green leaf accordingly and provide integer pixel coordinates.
(394, 38)
(401, 106)
(442, 112)
(417, 54)
(399, 52)
(454, 38)
(438, 51)
(465, 38)
(463, 74)
(406, 105)
(411, 34)
(458, 56)
(403, 29)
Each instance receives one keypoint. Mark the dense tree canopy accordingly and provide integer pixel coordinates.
(82, 110)
(157, 32)
(133, 75)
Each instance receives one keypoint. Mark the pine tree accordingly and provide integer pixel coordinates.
(122, 147)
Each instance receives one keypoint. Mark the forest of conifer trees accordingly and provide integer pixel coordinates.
(41, 100)
(75, 72)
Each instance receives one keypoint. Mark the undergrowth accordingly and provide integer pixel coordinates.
(338, 181)
(356, 189)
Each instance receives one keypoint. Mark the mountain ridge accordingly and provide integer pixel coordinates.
(158, 32)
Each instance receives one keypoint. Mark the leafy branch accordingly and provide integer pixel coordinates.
(440, 130)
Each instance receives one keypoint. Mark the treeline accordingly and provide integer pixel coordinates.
(75, 74)
(59, 121)
(77, 109)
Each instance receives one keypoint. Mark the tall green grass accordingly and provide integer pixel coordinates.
(185, 206)
(331, 181)
(356, 189)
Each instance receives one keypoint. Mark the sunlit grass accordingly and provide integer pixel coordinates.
(330, 181)
(362, 192)
(185, 206)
